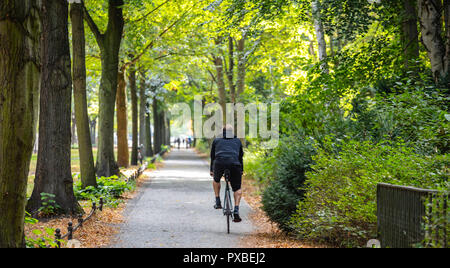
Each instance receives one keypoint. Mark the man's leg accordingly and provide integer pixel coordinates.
(236, 177)
(216, 186)
(237, 197)
(218, 171)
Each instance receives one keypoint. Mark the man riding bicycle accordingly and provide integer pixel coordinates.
(227, 153)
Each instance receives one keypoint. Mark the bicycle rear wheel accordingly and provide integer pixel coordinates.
(229, 214)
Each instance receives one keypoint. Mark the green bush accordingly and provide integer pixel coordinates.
(281, 196)
(43, 239)
(436, 219)
(340, 201)
(259, 165)
(109, 188)
(203, 145)
(418, 117)
(49, 206)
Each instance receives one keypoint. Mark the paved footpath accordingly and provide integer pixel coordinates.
(175, 209)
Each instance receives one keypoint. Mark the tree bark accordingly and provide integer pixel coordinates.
(320, 36)
(87, 168)
(134, 115)
(429, 13)
(142, 113)
(218, 63)
(109, 43)
(410, 41)
(230, 71)
(148, 134)
(163, 129)
(53, 171)
(19, 80)
(122, 122)
(447, 34)
(157, 133)
(167, 130)
(241, 68)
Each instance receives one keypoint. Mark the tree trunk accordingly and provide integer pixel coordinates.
(410, 41)
(230, 71)
(157, 126)
(242, 62)
(53, 171)
(218, 63)
(19, 80)
(240, 83)
(87, 168)
(148, 134)
(122, 122)
(134, 115)
(320, 36)
(109, 44)
(429, 13)
(142, 114)
(447, 35)
(168, 131)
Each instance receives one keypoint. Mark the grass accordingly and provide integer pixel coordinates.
(75, 164)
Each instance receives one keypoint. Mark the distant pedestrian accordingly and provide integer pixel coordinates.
(140, 153)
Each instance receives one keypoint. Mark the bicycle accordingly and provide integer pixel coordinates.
(227, 200)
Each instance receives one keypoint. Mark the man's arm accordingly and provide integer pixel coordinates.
(213, 155)
(241, 156)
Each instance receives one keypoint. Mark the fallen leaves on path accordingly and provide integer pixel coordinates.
(101, 227)
(96, 232)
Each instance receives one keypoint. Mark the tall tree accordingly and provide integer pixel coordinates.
(53, 171)
(430, 16)
(148, 148)
(109, 44)
(134, 114)
(410, 34)
(230, 69)
(142, 113)
(19, 88)
(158, 123)
(87, 168)
(219, 77)
(241, 68)
(122, 121)
(320, 35)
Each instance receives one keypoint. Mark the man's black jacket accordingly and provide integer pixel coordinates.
(228, 150)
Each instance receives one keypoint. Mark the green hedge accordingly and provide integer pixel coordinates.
(340, 201)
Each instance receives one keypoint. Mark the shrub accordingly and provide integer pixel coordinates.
(292, 161)
(418, 117)
(109, 188)
(40, 239)
(437, 218)
(340, 201)
(49, 205)
(259, 165)
(203, 145)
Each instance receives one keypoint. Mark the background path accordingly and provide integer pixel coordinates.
(175, 209)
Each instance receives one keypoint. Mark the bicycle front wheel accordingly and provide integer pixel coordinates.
(228, 222)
